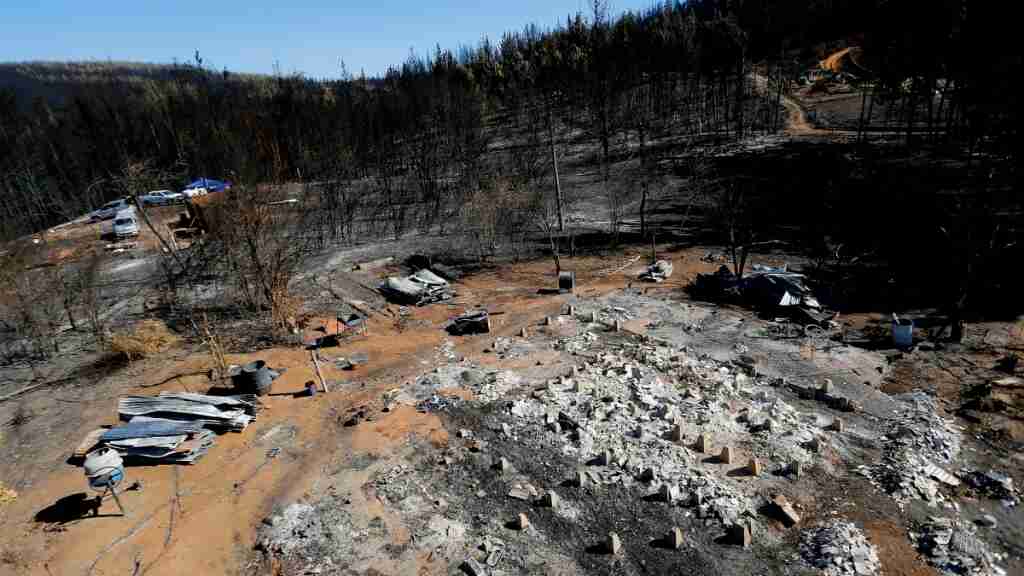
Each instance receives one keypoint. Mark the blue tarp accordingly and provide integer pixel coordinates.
(210, 184)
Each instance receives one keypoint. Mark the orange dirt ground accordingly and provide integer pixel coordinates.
(202, 519)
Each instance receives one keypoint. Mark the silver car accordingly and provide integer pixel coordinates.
(110, 209)
(162, 198)
(125, 225)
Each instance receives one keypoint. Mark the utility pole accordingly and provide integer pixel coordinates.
(554, 162)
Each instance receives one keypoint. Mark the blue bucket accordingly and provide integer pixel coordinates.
(903, 333)
(111, 479)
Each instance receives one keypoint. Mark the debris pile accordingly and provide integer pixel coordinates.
(657, 272)
(223, 413)
(423, 287)
(917, 447)
(764, 287)
(632, 411)
(478, 322)
(993, 485)
(165, 440)
(953, 547)
(839, 549)
(172, 428)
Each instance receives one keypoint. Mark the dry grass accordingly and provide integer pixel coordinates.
(144, 339)
(7, 495)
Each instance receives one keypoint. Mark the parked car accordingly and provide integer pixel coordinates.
(110, 209)
(125, 225)
(162, 198)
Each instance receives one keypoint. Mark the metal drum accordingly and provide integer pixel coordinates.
(254, 378)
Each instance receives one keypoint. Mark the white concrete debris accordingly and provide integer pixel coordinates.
(839, 549)
(284, 530)
(632, 397)
(953, 547)
(918, 446)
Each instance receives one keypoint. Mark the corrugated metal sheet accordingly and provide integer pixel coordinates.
(150, 430)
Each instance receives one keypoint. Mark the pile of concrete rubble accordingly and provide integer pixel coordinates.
(839, 549)
(953, 547)
(623, 422)
(919, 448)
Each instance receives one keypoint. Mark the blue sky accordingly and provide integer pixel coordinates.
(308, 36)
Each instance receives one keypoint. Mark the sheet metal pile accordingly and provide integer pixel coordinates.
(423, 287)
(177, 427)
(226, 413)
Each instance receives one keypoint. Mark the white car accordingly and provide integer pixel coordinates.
(162, 198)
(193, 192)
(125, 225)
(110, 209)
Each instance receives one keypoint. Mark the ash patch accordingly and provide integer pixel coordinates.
(307, 538)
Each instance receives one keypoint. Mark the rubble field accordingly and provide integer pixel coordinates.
(644, 435)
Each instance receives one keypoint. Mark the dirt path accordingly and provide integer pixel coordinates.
(797, 123)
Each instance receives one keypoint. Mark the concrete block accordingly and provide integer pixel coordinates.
(677, 434)
(618, 325)
(702, 444)
(785, 510)
(580, 479)
(550, 499)
(613, 544)
(837, 425)
(675, 538)
(739, 535)
(606, 458)
(726, 456)
(502, 465)
(522, 522)
(547, 320)
(796, 468)
(593, 316)
(669, 493)
(754, 467)
(524, 333)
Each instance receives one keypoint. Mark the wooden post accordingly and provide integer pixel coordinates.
(316, 365)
